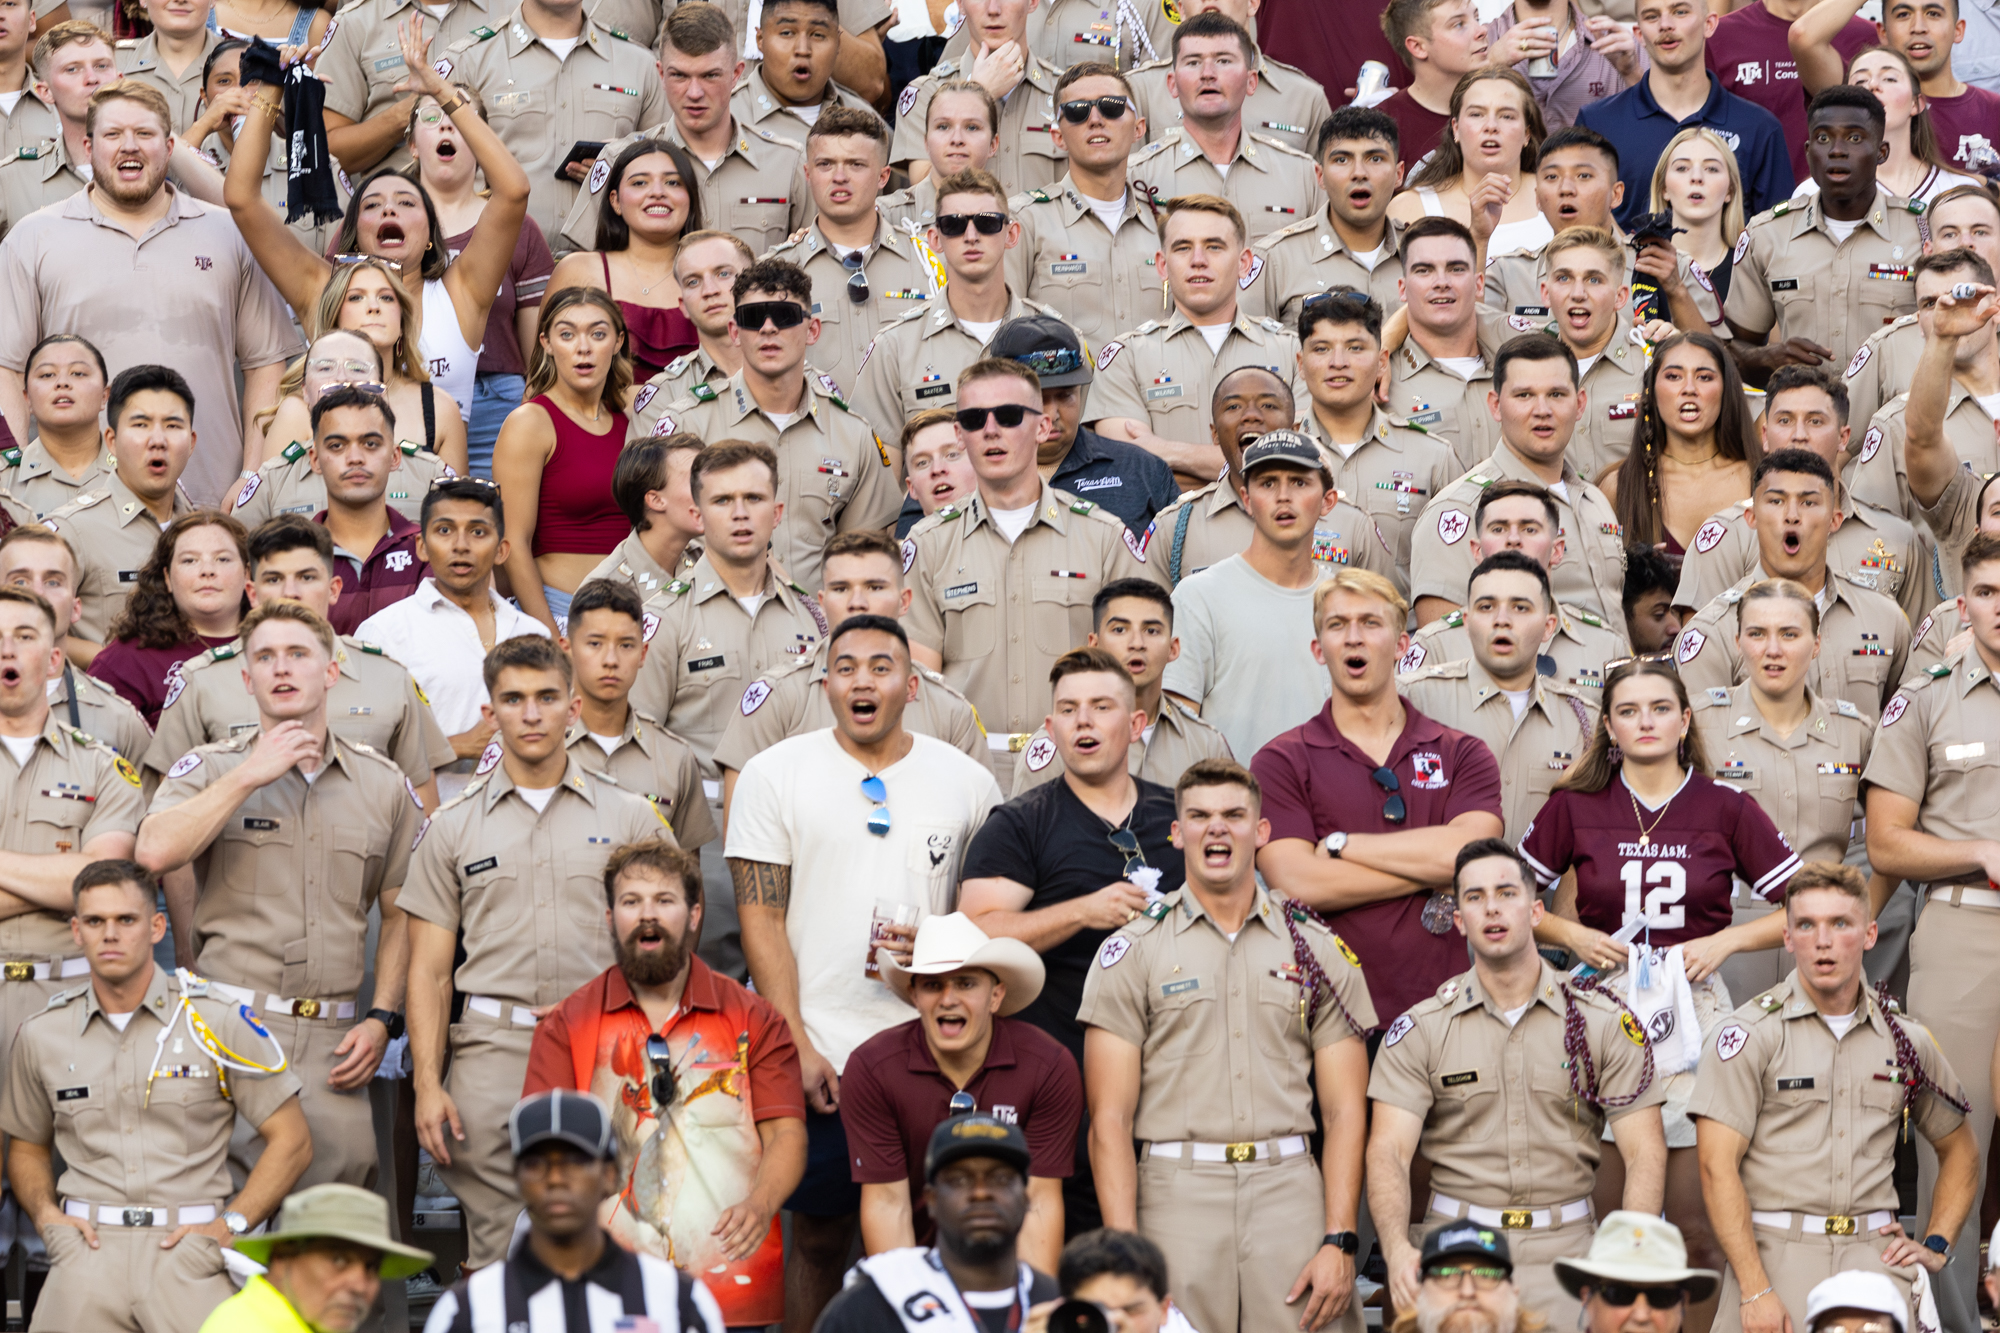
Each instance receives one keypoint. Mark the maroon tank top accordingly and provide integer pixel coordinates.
(576, 514)
(655, 334)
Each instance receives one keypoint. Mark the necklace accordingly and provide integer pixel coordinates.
(1645, 830)
(656, 281)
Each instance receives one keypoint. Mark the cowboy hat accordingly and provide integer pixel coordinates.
(338, 1212)
(952, 943)
(1640, 1249)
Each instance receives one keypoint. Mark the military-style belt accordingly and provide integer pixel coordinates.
(1811, 1224)
(1965, 895)
(21, 969)
(1264, 1151)
(141, 1215)
(1513, 1219)
(1008, 742)
(331, 1010)
(520, 1015)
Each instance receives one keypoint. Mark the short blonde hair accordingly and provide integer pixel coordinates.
(1588, 238)
(297, 612)
(1733, 216)
(128, 90)
(1362, 583)
(70, 33)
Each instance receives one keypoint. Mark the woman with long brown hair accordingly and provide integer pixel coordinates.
(1484, 163)
(558, 451)
(189, 598)
(1694, 446)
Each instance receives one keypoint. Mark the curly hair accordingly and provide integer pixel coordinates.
(152, 618)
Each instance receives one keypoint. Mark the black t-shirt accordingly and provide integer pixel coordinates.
(1059, 847)
(862, 1308)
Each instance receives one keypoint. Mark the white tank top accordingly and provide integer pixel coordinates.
(441, 344)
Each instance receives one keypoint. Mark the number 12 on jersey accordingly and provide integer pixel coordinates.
(1655, 892)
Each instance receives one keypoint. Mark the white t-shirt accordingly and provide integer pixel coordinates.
(1465, 367)
(562, 46)
(1842, 230)
(538, 797)
(1012, 522)
(984, 332)
(783, 419)
(1518, 701)
(1584, 363)
(1111, 212)
(1213, 334)
(1840, 1023)
(1990, 404)
(1513, 1016)
(751, 603)
(21, 747)
(799, 804)
(608, 744)
(1245, 653)
(1368, 259)
(121, 1021)
(8, 101)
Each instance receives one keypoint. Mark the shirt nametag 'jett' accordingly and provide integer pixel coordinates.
(1794, 1084)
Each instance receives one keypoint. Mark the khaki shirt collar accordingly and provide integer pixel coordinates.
(37, 462)
(385, 16)
(1484, 688)
(944, 317)
(162, 1000)
(629, 735)
(1049, 508)
(129, 507)
(1415, 358)
(706, 583)
(1263, 908)
(1971, 670)
(520, 36)
(737, 402)
(1744, 718)
(1794, 1003)
(1504, 462)
(1812, 218)
(885, 238)
(575, 777)
(1471, 995)
(1224, 496)
(1186, 150)
(58, 161)
(1178, 323)
(1075, 207)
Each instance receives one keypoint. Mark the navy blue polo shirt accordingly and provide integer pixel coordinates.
(1119, 478)
(1634, 122)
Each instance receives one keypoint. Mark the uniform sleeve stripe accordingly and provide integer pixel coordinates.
(1542, 872)
(1778, 876)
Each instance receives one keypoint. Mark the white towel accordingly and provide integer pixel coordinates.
(1665, 1007)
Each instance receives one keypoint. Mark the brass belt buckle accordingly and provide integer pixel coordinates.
(1840, 1226)
(1516, 1219)
(18, 971)
(306, 1008)
(1239, 1152)
(138, 1217)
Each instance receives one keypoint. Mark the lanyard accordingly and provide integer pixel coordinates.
(1016, 1311)
(206, 1038)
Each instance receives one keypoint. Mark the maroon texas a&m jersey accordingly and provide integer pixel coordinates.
(1680, 877)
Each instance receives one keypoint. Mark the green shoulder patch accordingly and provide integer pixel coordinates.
(703, 392)
(294, 451)
(484, 34)
(946, 514)
(1158, 909)
(224, 652)
(1938, 672)
(1590, 618)
(619, 33)
(679, 586)
(1454, 619)
(12, 456)
(1916, 206)
(1781, 210)
(1040, 196)
(373, 650)
(1081, 506)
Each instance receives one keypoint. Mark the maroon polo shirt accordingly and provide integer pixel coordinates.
(893, 1095)
(148, 678)
(390, 573)
(1317, 782)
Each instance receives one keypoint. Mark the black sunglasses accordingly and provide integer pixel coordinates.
(1009, 415)
(857, 281)
(962, 1103)
(954, 224)
(1392, 809)
(1112, 108)
(1627, 1293)
(1127, 843)
(753, 315)
(665, 1086)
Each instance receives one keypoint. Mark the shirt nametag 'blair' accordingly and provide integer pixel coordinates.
(1794, 1084)
(1458, 1080)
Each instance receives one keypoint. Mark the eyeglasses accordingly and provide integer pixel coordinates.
(1052, 361)
(332, 367)
(665, 1086)
(962, 1103)
(1111, 108)
(857, 281)
(1486, 1279)
(878, 792)
(1009, 415)
(1627, 1293)
(949, 458)
(781, 315)
(1127, 842)
(954, 224)
(431, 117)
(1392, 809)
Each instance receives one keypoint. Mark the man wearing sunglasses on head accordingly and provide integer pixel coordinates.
(1636, 1277)
(834, 837)
(833, 474)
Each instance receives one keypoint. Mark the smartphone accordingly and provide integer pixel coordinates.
(583, 150)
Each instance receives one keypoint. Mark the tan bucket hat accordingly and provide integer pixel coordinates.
(339, 1212)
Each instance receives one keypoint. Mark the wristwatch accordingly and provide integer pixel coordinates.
(389, 1019)
(236, 1222)
(1335, 843)
(1937, 1244)
(1347, 1242)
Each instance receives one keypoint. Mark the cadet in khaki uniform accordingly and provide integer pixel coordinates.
(1576, 655)
(101, 713)
(34, 559)
(1102, 282)
(1223, 974)
(363, 62)
(1437, 399)
(1882, 367)
(752, 103)
(1028, 155)
(1614, 383)
(140, 61)
(113, 533)
(1301, 259)
(1881, 475)
(287, 484)
(1798, 1105)
(1864, 643)
(34, 176)
(1285, 107)
(290, 870)
(1269, 181)
(43, 485)
(757, 191)
(522, 882)
(31, 121)
(1873, 548)
(1068, 32)
(141, 1112)
(1794, 280)
(1504, 1080)
(541, 103)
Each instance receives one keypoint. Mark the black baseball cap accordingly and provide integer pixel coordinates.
(558, 1116)
(1045, 345)
(1466, 1240)
(975, 1135)
(1283, 446)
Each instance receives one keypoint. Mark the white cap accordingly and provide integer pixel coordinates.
(1858, 1290)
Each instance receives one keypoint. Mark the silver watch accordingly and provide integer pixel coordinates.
(236, 1222)
(1335, 843)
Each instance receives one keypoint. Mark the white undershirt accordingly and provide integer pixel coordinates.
(1842, 230)
(990, 1300)
(608, 744)
(1213, 334)
(1840, 1023)
(1012, 522)
(783, 419)
(1513, 1016)
(1990, 404)
(1518, 700)
(809, 114)
(1110, 212)
(1584, 363)
(121, 1021)
(1560, 490)
(437, 12)
(713, 162)
(1368, 259)
(313, 776)
(537, 796)
(751, 603)
(20, 747)
(983, 331)
(1146, 736)
(1224, 167)
(1465, 367)
(8, 101)
(562, 46)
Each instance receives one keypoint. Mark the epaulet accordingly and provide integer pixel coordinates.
(29, 153)
(1281, 146)
(699, 393)
(1148, 327)
(1404, 423)
(1039, 196)
(1153, 149)
(11, 456)
(1761, 1007)
(620, 34)
(1479, 479)
(1916, 206)
(679, 364)
(1153, 914)
(1270, 325)
(128, 43)
(1715, 696)
(362, 747)
(222, 652)
(472, 788)
(1081, 506)
(1264, 243)
(1729, 596)
(1590, 618)
(677, 587)
(63, 997)
(1454, 619)
(410, 448)
(1439, 671)
(81, 503)
(1161, 63)
(915, 312)
(1781, 209)
(293, 452)
(939, 519)
(1846, 709)
(943, 70)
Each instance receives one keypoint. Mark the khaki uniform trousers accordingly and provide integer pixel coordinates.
(1236, 1236)
(489, 1063)
(342, 1123)
(1535, 1251)
(1796, 1263)
(129, 1284)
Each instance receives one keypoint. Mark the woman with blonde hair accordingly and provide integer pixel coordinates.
(1698, 180)
(558, 453)
(1485, 164)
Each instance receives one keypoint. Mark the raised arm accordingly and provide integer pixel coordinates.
(1811, 39)
(1929, 456)
(297, 273)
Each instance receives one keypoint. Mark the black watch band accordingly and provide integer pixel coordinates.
(389, 1019)
(1347, 1242)
(1937, 1244)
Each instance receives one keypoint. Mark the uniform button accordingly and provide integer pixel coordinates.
(1239, 1036)
(1239, 1079)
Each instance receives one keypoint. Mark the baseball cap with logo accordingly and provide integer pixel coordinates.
(1286, 447)
(975, 1135)
(559, 1116)
(1466, 1240)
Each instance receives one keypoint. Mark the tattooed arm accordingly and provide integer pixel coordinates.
(763, 892)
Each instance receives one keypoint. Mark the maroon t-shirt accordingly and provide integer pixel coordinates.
(893, 1095)
(390, 573)
(1419, 129)
(1749, 56)
(148, 678)
(1681, 876)
(1317, 782)
(1962, 123)
(1329, 41)
(521, 289)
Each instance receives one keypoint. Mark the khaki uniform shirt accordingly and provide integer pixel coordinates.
(1271, 183)
(911, 210)
(1162, 374)
(363, 60)
(1533, 750)
(286, 484)
(1807, 781)
(1881, 474)
(1028, 155)
(752, 102)
(706, 649)
(630, 562)
(39, 482)
(1307, 257)
(1175, 740)
(1793, 279)
(1612, 386)
(1935, 747)
(1583, 643)
(1933, 633)
(1069, 32)
(1217, 526)
(1502, 1124)
(82, 1087)
(790, 701)
(656, 764)
(35, 175)
(1000, 613)
(757, 191)
(1102, 281)
(1429, 395)
(1819, 1112)
(1391, 475)
(682, 374)
(103, 714)
(833, 474)
(915, 359)
(1287, 107)
(1953, 522)
(1591, 574)
(31, 122)
(73, 789)
(1514, 285)
(113, 535)
(541, 104)
(375, 703)
(287, 885)
(899, 279)
(1882, 367)
(1876, 549)
(140, 61)
(1864, 642)
(1195, 1001)
(525, 890)
(856, 16)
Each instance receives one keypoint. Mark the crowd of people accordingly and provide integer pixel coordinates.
(828, 664)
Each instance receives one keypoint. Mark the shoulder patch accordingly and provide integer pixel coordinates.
(1711, 532)
(1112, 950)
(1846, 709)
(1398, 1030)
(184, 765)
(1109, 353)
(1861, 356)
(1894, 712)
(125, 770)
(1731, 1040)
(1871, 443)
(1690, 646)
